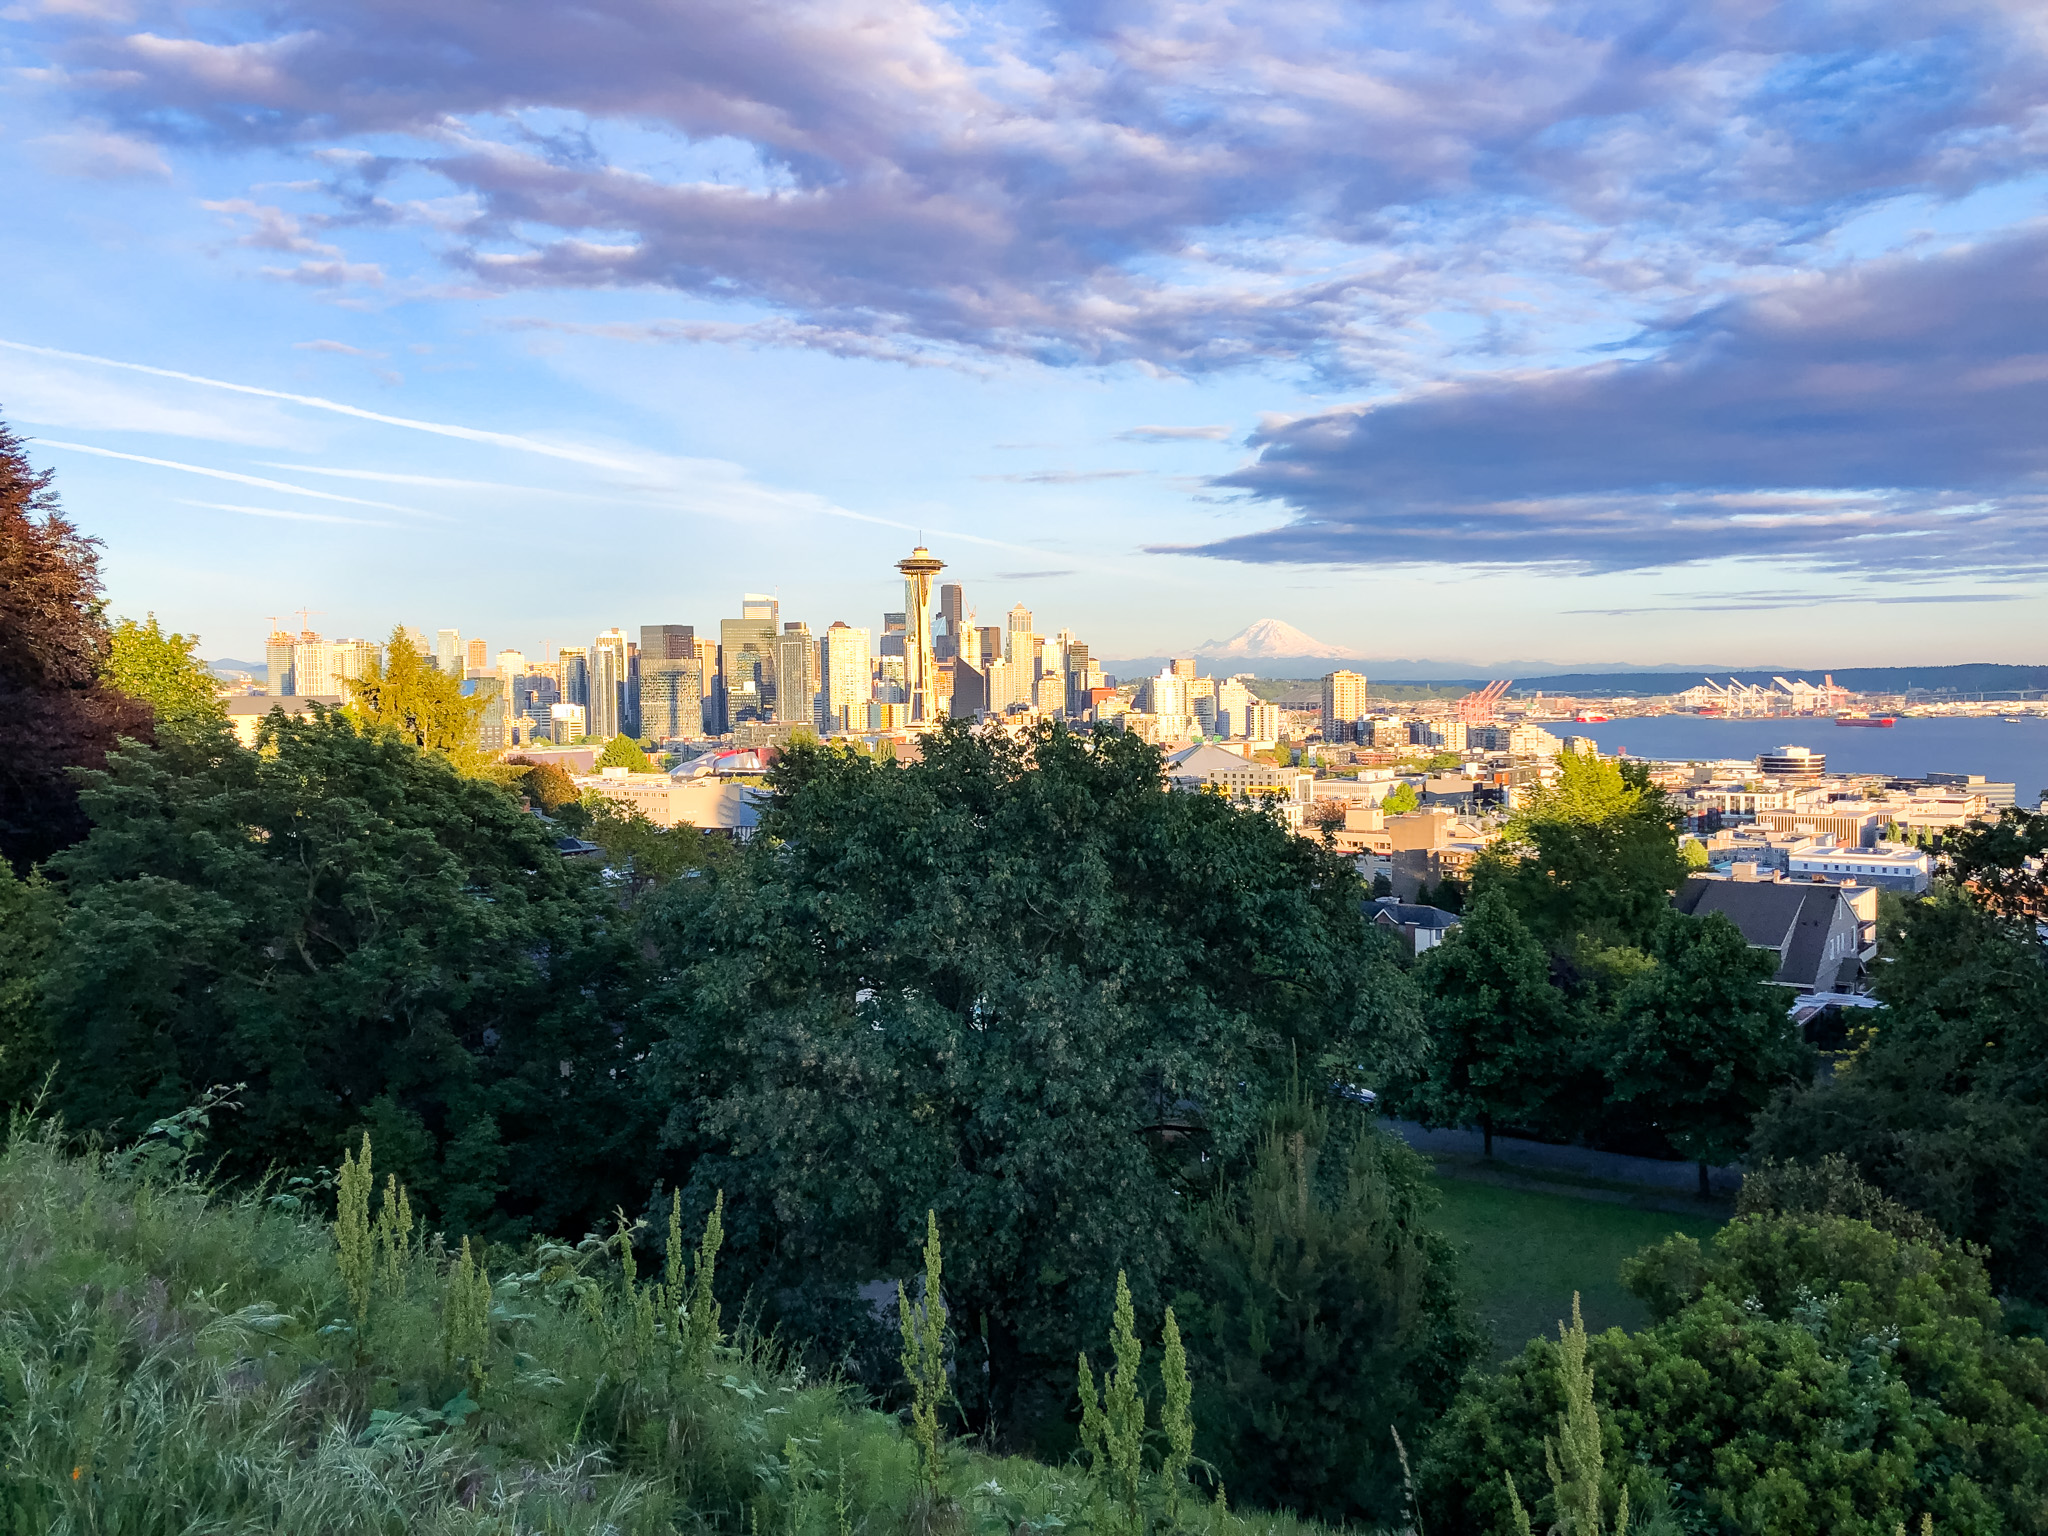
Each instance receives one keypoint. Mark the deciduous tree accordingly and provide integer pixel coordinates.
(164, 671)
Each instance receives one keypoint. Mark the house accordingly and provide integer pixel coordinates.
(1423, 927)
(1823, 935)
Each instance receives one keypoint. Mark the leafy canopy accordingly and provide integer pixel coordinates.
(622, 751)
(1019, 983)
(407, 693)
(163, 671)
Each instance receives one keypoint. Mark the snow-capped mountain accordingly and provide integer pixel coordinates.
(1270, 637)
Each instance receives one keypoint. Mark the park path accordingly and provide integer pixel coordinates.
(1466, 1151)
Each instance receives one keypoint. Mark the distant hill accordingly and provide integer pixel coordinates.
(1969, 677)
(227, 665)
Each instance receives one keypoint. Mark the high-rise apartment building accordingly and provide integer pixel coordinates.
(277, 662)
(477, 659)
(845, 677)
(1233, 705)
(967, 647)
(796, 676)
(313, 666)
(1262, 721)
(608, 683)
(566, 723)
(1343, 705)
(511, 664)
(1183, 667)
(920, 671)
(448, 651)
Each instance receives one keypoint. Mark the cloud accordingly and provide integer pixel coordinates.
(1031, 575)
(840, 341)
(97, 154)
(1174, 434)
(297, 517)
(328, 274)
(1185, 187)
(1883, 418)
(340, 347)
(1779, 601)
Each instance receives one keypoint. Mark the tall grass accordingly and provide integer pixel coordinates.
(178, 1358)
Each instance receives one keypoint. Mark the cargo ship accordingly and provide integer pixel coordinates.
(1879, 720)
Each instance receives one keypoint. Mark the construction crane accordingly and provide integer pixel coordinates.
(306, 616)
(1479, 707)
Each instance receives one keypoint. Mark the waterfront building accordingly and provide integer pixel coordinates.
(1792, 763)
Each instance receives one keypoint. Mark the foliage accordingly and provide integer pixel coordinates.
(2003, 864)
(1324, 1314)
(924, 1354)
(1113, 1426)
(1400, 799)
(547, 785)
(1944, 1106)
(644, 856)
(1805, 1373)
(369, 941)
(1575, 1460)
(1703, 1040)
(1501, 1036)
(622, 751)
(177, 1359)
(1830, 1187)
(1176, 1417)
(61, 711)
(30, 912)
(405, 692)
(1018, 983)
(1595, 853)
(163, 671)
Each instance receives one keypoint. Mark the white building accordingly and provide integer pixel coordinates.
(846, 677)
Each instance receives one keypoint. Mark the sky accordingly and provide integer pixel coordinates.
(1598, 333)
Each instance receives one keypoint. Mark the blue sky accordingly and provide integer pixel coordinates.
(1623, 332)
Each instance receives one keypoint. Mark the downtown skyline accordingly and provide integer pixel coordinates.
(1711, 342)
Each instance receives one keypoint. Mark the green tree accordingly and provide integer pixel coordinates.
(370, 942)
(1805, 1373)
(1400, 800)
(622, 751)
(61, 711)
(1944, 1105)
(1704, 1041)
(30, 913)
(1595, 853)
(407, 693)
(1019, 983)
(164, 671)
(644, 855)
(1326, 1313)
(2003, 865)
(545, 784)
(1501, 1037)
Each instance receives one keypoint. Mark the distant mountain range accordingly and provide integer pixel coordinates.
(227, 666)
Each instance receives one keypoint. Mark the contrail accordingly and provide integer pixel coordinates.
(297, 517)
(439, 428)
(227, 474)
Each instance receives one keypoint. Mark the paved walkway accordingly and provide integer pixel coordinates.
(1581, 1162)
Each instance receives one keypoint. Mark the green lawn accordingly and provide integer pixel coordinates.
(1528, 1252)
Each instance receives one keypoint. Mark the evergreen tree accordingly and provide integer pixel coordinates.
(622, 751)
(60, 710)
(1501, 1038)
(1703, 1041)
(164, 672)
(407, 693)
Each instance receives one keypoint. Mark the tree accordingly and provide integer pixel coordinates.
(1400, 799)
(1596, 853)
(1704, 1041)
(60, 710)
(623, 751)
(164, 672)
(1326, 1312)
(369, 942)
(2003, 864)
(30, 911)
(1804, 1373)
(407, 693)
(1944, 1105)
(644, 855)
(1500, 1035)
(1021, 984)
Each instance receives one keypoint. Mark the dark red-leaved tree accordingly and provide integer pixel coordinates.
(58, 711)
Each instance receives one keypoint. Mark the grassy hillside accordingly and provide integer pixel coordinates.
(174, 1358)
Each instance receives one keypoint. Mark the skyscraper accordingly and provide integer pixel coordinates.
(608, 684)
(313, 666)
(448, 651)
(667, 642)
(845, 677)
(952, 615)
(352, 660)
(1343, 705)
(1018, 639)
(671, 697)
(573, 683)
(796, 676)
(277, 660)
(477, 658)
(760, 605)
(746, 663)
(920, 675)
(891, 642)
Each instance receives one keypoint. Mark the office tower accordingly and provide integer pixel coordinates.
(565, 723)
(1233, 703)
(966, 647)
(891, 641)
(448, 651)
(1184, 667)
(277, 661)
(494, 724)
(707, 684)
(952, 616)
(891, 682)
(846, 677)
(1075, 665)
(992, 648)
(511, 664)
(1343, 705)
(477, 658)
(606, 705)
(629, 696)
(573, 680)
(746, 663)
(667, 642)
(920, 674)
(796, 676)
(1018, 625)
(671, 697)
